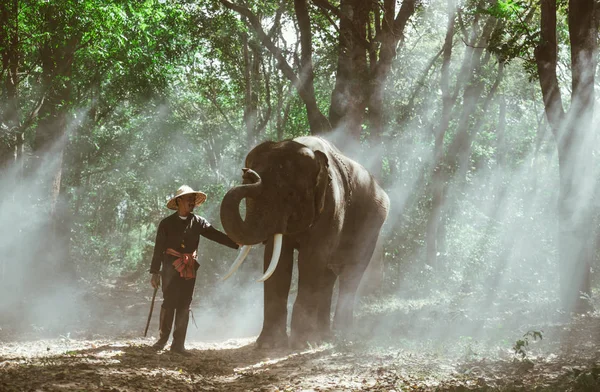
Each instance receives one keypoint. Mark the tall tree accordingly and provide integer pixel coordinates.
(351, 93)
(367, 41)
(460, 105)
(57, 55)
(389, 32)
(255, 73)
(573, 131)
(303, 81)
(9, 52)
(438, 178)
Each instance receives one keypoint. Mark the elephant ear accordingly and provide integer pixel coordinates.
(322, 181)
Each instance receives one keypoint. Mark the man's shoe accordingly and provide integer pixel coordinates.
(182, 317)
(165, 325)
(180, 350)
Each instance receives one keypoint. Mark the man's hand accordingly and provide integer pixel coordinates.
(155, 281)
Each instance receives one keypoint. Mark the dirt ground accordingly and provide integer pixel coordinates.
(411, 356)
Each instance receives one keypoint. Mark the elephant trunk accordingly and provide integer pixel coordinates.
(255, 228)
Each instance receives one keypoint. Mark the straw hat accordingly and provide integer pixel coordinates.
(186, 190)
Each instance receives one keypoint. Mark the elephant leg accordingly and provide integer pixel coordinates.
(324, 304)
(357, 261)
(344, 311)
(276, 291)
(304, 317)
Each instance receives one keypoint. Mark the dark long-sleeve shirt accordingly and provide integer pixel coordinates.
(183, 235)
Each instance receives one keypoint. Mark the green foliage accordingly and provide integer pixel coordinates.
(520, 346)
(159, 99)
(517, 34)
(509, 9)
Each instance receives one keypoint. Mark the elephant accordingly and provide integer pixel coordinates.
(304, 194)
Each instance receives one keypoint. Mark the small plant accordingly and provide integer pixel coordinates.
(521, 344)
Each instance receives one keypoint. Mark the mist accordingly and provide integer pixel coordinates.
(491, 238)
(51, 291)
(502, 221)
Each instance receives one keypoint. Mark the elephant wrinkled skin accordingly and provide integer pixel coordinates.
(330, 209)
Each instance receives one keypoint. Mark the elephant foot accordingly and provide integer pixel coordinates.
(327, 336)
(343, 325)
(272, 340)
(300, 341)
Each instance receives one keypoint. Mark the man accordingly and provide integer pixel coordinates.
(175, 249)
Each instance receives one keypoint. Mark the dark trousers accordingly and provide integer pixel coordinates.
(177, 292)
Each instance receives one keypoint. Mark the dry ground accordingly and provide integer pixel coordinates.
(411, 356)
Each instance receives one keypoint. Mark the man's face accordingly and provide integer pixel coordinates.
(186, 204)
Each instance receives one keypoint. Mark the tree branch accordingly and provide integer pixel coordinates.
(326, 14)
(31, 117)
(490, 96)
(461, 24)
(264, 38)
(404, 13)
(212, 100)
(277, 20)
(318, 122)
(326, 5)
(264, 120)
(546, 56)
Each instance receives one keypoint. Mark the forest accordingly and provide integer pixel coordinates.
(476, 117)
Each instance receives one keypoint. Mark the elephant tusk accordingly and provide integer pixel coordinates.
(238, 261)
(277, 241)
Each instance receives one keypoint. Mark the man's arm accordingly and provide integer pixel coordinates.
(215, 235)
(159, 249)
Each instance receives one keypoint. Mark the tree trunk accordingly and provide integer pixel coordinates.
(282, 118)
(57, 55)
(546, 56)
(459, 151)
(9, 42)
(392, 32)
(577, 162)
(574, 144)
(49, 138)
(350, 95)
(254, 122)
(438, 177)
(250, 95)
(501, 147)
(317, 121)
